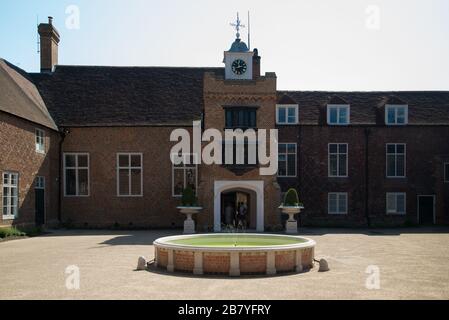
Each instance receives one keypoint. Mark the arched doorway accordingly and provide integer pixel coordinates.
(233, 192)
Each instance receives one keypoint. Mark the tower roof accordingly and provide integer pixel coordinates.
(239, 46)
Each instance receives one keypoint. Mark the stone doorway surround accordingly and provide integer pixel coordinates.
(256, 186)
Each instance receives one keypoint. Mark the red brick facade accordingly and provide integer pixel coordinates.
(18, 155)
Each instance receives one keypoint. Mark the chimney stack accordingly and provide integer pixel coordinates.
(256, 64)
(49, 39)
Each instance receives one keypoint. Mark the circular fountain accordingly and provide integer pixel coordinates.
(234, 254)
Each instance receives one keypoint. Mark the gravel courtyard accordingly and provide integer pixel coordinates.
(413, 264)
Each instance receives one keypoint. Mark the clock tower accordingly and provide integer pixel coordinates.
(239, 59)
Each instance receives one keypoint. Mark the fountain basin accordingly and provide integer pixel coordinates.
(234, 254)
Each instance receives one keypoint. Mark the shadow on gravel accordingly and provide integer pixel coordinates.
(153, 269)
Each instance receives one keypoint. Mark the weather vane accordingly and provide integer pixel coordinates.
(237, 25)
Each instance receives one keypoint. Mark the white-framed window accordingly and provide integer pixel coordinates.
(287, 159)
(40, 140)
(10, 181)
(129, 174)
(338, 160)
(396, 114)
(396, 160)
(76, 174)
(337, 203)
(39, 182)
(396, 202)
(338, 114)
(184, 174)
(446, 172)
(287, 114)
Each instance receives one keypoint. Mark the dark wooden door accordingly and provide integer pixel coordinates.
(40, 206)
(426, 209)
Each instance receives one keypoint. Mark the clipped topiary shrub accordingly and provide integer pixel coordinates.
(189, 198)
(291, 198)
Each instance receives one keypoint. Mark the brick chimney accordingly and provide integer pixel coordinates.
(256, 64)
(49, 39)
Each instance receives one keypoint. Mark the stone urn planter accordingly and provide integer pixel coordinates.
(291, 226)
(291, 206)
(189, 223)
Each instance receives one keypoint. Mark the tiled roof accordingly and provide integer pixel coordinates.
(19, 96)
(122, 96)
(425, 107)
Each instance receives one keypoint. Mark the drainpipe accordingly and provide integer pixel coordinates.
(63, 133)
(367, 133)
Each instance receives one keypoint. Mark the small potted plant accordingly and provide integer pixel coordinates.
(189, 207)
(291, 206)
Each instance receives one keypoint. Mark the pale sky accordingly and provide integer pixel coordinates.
(311, 45)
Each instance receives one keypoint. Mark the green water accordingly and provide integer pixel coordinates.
(237, 241)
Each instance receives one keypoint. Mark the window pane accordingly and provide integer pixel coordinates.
(400, 115)
(123, 185)
(332, 202)
(391, 204)
(291, 115)
(342, 165)
(400, 166)
(282, 148)
(291, 148)
(178, 181)
(70, 182)
(282, 167)
(291, 165)
(191, 178)
(400, 204)
(333, 148)
(82, 161)
(70, 160)
(342, 148)
(391, 148)
(343, 115)
(282, 115)
(123, 160)
(391, 167)
(252, 119)
(342, 205)
(135, 161)
(5, 178)
(13, 180)
(136, 182)
(333, 165)
(391, 115)
(83, 182)
(333, 115)
(400, 148)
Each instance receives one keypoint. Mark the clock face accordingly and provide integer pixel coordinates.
(239, 67)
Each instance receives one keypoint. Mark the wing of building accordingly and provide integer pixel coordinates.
(90, 146)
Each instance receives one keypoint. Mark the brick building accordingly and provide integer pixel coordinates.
(356, 158)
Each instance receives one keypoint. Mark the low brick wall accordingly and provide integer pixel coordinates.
(253, 262)
(216, 263)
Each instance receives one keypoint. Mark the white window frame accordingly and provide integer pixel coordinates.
(39, 140)
(338, 194)
(287, 107)
(396, 107)
(339, 107)
(129, 168)
(184, 168)
(10, 216)
(445, 172)
(338, 162)
(395, 194)
(39, 182)
(286, 154)
(76, 167)
(395, 155)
